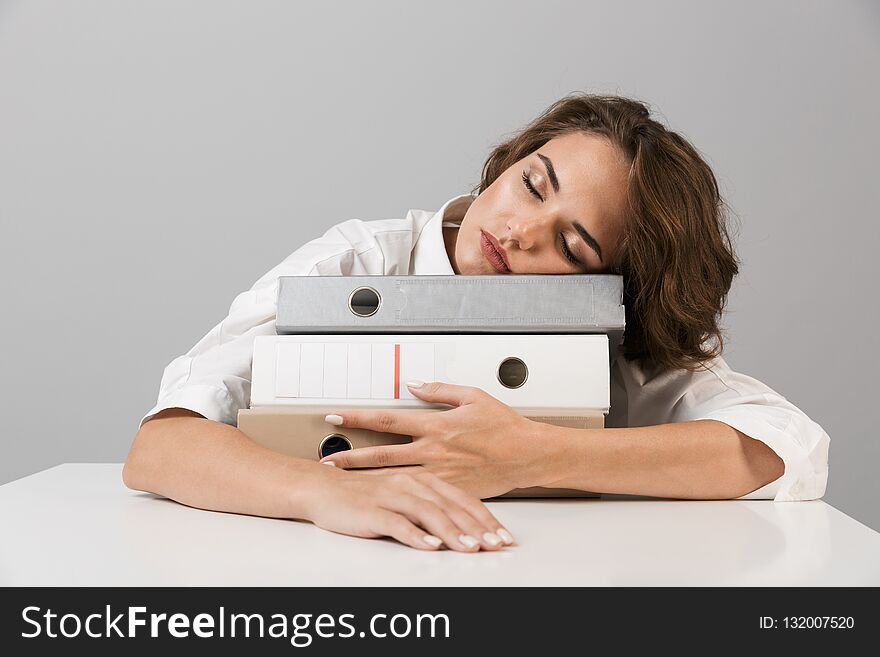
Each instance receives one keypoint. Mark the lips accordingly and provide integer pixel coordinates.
(493, 252)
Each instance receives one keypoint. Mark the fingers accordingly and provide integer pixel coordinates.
(444, 393)
(411, 508)
(403, 422)
(472, 531)
(443, 516)
(400, 528)
(381, 456)
(406, 423)
(437, 520)
(472, 505)
(400, 469)
(477, 521)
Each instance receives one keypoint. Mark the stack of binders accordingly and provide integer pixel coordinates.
(541, 344)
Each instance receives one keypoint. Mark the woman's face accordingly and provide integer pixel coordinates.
(571, 224)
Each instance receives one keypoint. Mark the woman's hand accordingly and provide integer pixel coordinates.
(482, 445)
(418, 509)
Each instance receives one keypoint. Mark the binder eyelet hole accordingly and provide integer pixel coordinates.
(333, 443)
(512, 373)
(364, 301)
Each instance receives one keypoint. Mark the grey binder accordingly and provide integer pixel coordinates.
(524, 303)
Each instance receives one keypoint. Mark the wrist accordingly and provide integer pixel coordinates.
(309, 488)
(545, 459)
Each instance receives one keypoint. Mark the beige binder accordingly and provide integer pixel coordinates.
(302, 432)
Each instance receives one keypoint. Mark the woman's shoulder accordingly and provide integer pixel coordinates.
(646, 375)
(359, 230)
(415, 224)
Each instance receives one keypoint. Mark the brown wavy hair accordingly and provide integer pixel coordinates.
(675, 253)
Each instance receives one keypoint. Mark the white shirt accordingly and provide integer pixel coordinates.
(214, 377)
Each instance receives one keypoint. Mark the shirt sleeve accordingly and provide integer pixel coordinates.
(744, 403)
(213, 378)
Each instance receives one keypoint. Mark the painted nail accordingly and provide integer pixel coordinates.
(505, 536)
(491, 539)
(414, 383)
(433, 541)
(468, 541)
(333, 419)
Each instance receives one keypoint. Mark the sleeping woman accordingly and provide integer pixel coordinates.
(592, 185)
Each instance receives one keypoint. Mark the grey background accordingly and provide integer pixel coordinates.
(156, 158)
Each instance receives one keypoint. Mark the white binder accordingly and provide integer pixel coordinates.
(531, 373)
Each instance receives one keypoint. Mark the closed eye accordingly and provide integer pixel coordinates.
(530, 187)
(566, 251)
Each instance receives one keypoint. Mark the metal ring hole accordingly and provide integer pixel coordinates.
(333, 443)
(364, 301)
(512, 373)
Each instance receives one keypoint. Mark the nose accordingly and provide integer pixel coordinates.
(529, 232)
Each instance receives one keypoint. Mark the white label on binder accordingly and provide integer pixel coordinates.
(311, 370)
(287, 369)
(416, 362)
(360, 357)
(335, 366)
(382, 375)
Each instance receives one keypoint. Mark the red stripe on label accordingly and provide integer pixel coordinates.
(397, 371)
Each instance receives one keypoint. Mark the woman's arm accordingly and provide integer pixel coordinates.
(181, 455)
(702, 459)
(487, 448)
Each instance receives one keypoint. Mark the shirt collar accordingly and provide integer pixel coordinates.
(429, 251)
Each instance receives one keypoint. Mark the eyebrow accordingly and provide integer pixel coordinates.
(584, 233)
(589, 239)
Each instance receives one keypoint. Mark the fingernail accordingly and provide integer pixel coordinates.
(468, 541)
(329, 463)
(433, 541)
(491, 539)
(415, 383)
(505, 536)
(333, 419)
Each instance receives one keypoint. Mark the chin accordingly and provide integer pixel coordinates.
(473, 268)
(483, 269)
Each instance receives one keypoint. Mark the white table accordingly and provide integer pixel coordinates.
(77, 524)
